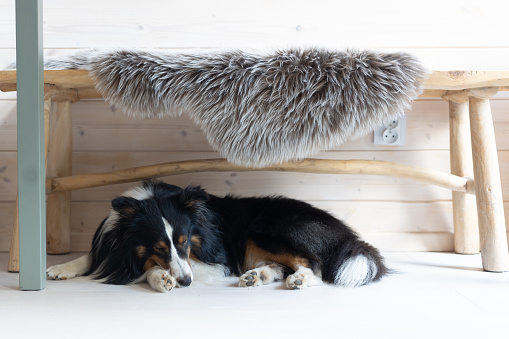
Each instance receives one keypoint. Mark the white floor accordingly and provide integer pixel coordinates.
(434, 295)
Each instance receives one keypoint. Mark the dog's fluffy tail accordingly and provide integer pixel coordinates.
(357, 265)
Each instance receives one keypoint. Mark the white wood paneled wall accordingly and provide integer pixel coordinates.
(393, 214)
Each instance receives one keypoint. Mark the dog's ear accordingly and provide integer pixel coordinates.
(125, 206)
(193, 196)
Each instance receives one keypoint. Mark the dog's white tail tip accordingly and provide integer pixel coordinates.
(356, 271)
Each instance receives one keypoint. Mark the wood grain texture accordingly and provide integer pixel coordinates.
(492, 227)
(459, 80)
(313, 166)
(61, 78)
(99, 127)
(297, 185)
(59, 163)
(13, 265)
(286, 22)
(466, 228)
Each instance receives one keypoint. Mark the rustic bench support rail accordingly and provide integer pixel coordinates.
(318, 166)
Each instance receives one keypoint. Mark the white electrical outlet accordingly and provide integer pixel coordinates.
(390, 136)
(392, 124)
(392, 132)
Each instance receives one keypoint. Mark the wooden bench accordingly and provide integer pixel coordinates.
(473, 155)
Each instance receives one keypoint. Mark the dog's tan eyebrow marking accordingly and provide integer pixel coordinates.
(162, 245)
(182, 239)
(195, 245)
(141, 250)
(196, 241)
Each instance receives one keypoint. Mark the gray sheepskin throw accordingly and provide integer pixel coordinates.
(259, 109)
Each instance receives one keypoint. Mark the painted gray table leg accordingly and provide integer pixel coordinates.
(31, 162)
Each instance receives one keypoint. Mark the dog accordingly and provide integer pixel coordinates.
(154, 230)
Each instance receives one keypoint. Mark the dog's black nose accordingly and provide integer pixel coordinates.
(186, 281)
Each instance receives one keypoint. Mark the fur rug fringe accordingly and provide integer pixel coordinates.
(259, 109)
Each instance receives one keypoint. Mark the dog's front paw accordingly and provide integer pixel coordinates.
(251, 278)
(161, 281)
(61, 272)
(71, 269)
(296, 281)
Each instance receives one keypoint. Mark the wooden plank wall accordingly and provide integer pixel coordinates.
(393, 214)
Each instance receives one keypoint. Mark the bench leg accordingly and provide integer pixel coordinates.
(488, 188)
(14, 251)
(466, 227)
(13, 265)
(58, 206)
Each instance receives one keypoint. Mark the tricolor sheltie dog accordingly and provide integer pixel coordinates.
(153, 231)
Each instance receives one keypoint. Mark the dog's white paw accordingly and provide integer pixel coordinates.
(297, 281)
(251, 278)
(261, 276)
(302, 278)
(69, 270)
(161, 281)
(61, 272)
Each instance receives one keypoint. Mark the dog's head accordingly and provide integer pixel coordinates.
(150, 225)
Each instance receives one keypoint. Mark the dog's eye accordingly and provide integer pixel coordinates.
(160, 247)
(182, 240)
